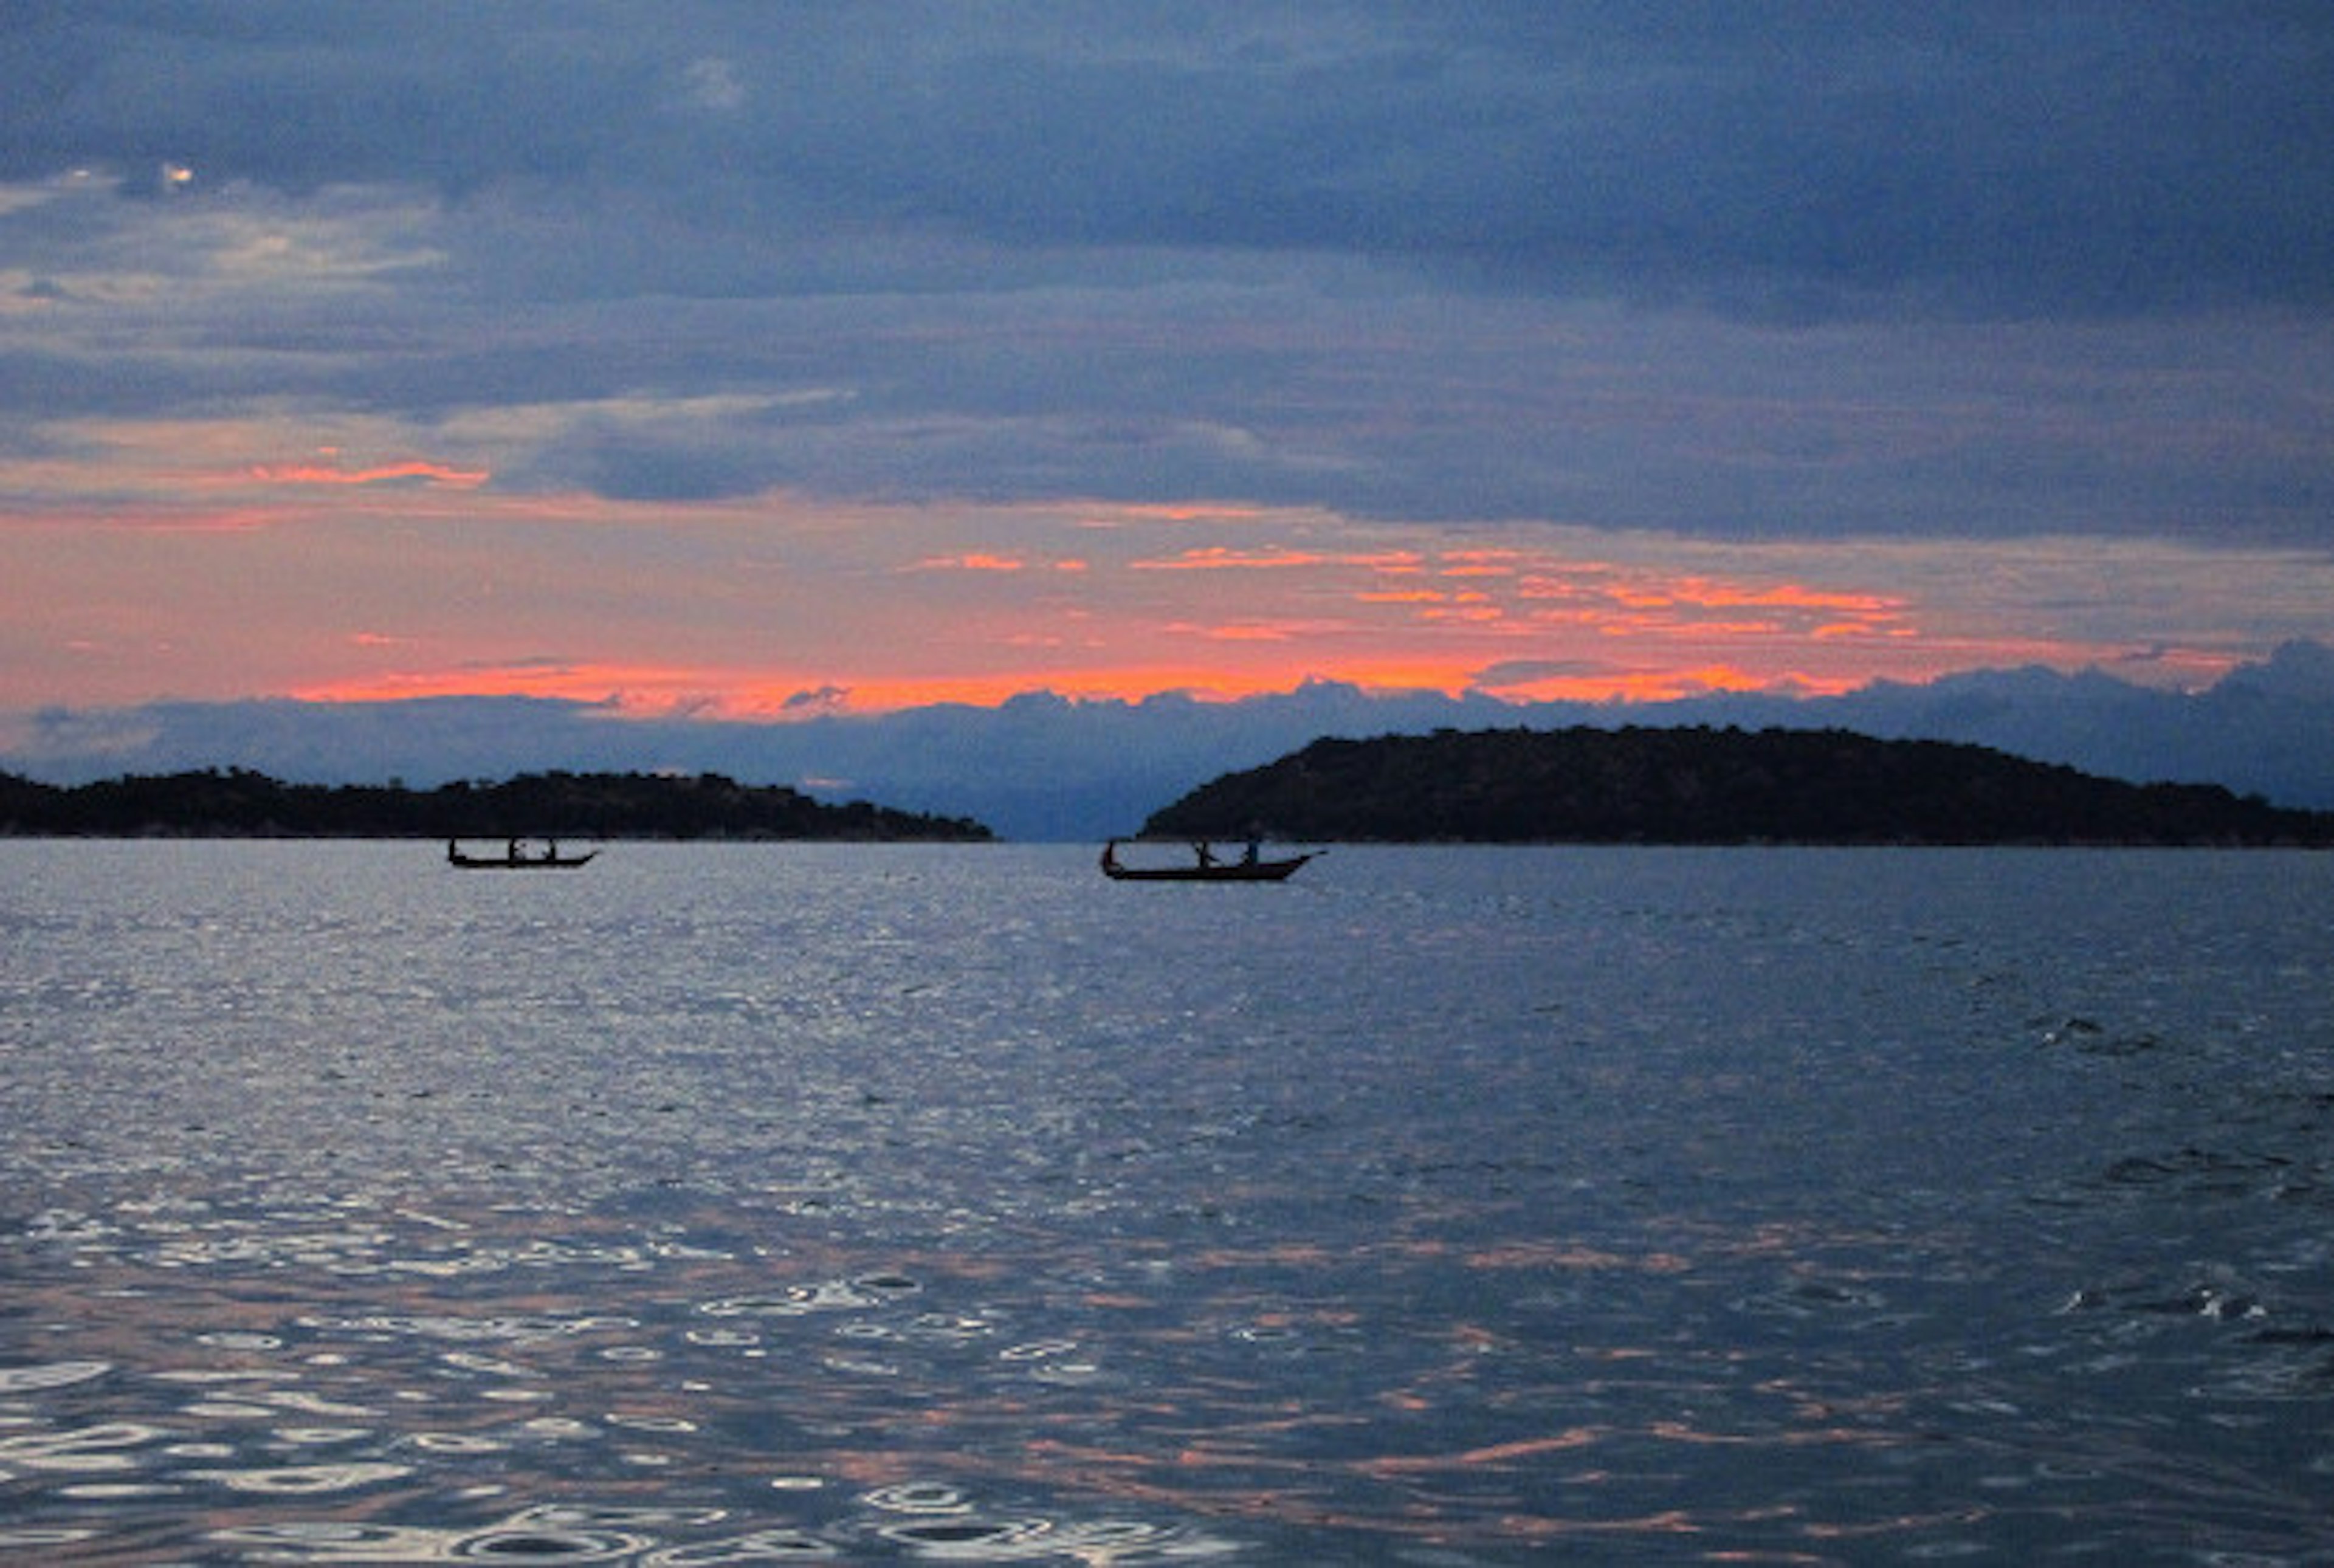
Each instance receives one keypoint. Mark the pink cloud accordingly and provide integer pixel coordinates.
(1222, 558)
(413, 468)
(971, 560)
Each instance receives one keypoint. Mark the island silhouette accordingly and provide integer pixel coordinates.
(1708, 786)
(1581, 785)
(237, 803)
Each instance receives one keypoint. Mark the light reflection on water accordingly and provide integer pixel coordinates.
(752, 1204)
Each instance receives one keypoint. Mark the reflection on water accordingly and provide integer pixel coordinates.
(747, 1205)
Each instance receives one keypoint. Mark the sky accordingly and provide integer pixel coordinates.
(694, 357)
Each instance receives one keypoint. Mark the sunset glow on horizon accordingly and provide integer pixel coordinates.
(784, 400)
(422, 579)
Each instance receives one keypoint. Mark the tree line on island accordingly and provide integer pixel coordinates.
(1707, 787)
(1579, 785)
(236, 804)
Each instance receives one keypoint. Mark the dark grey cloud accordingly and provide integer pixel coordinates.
(1991, 269)
(2002, 157)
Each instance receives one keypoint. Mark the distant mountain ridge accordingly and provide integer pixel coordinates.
(1705, 786)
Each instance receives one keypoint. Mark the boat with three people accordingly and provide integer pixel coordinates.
(518, 855)
(1249, 866)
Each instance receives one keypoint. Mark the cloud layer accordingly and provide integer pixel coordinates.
(1972, 295)
(2108, 156)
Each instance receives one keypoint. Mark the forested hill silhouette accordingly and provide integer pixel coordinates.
(240, 804)
(1706, 786)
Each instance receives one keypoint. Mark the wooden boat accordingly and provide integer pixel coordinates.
(1205, 867)
(518, 857)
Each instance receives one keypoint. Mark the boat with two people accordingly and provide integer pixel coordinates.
(518, 855)
(1205, 867)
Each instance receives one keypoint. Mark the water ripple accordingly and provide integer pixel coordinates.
(1625, 1205)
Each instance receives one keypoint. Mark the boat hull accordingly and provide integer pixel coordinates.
(517, 860)
(1208, 870)
(1264, 872)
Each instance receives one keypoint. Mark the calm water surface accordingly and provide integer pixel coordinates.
(773, 1204)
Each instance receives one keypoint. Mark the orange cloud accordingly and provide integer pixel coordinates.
(1479, 563)
(1249, 631)
(972, 561)
(738, 607)
(1184, 513)
(1606, 683)
(1712, 595)
(642, 691)
(1222, 558)
(317, 473)
(1848, 629)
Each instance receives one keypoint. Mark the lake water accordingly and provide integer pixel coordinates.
(732, 1205)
